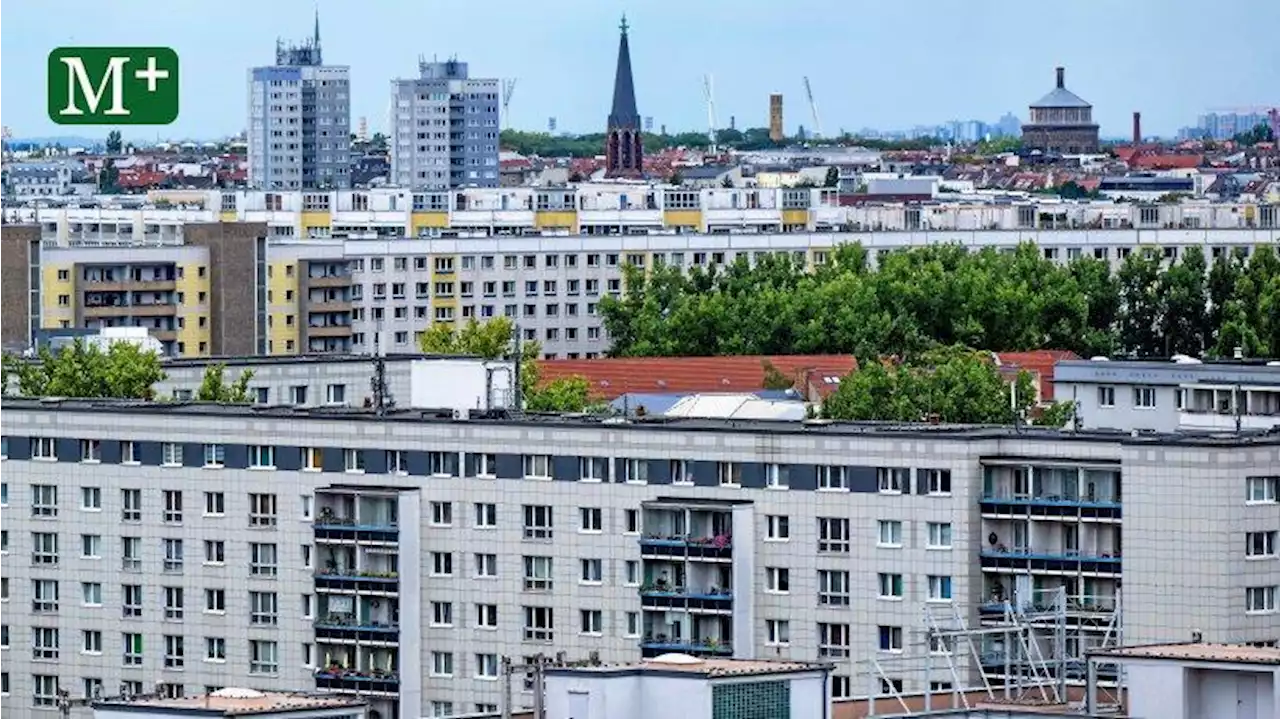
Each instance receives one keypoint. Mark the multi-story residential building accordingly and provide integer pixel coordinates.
(444, 129)
(300, 120)
(1185, 394)
(401, 556)
(544, 256)
(26, 180)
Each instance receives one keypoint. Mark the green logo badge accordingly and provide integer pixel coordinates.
(113, 85)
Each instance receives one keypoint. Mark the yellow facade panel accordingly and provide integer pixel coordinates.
(282, 285)
(682, 218)
(314, 218)
(58, 296)
(556, 220)
(795, 217)
(195, 331)
(228, 216)
(420, 221)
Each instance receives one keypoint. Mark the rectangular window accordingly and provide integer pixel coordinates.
(539, 624)
(833, 535)
(44, 643)
(939, 535)
(537, 574)
(833, 479)
(486, 616)
(44, 548)
(777, 580)
(131, 505)
(171, 454)
(215, 504)
(44, 500)
(173, 556)
(91, 499)
(91, 641)
(442, 564)
(173, 604)
(890, 586)
(44, 596)
(132, 649)
(172, 506)
(131, 601)
(263, 657)
(1260, 600)
(592, 571)
(486, 666)
(215, 649)
(729, 474)
(128, 452)
(215, 601)
(635, 471)
(1259, 545)
(1262, 490)
(890, 639)
(215, 551)
(893, 480)
(354, 460)
(833, 588)
(263, 561)
(592, 622)
(777, 476)
(537, 522)
(262, 510)
(833, 640)
(486, 465)
(1144, 397)
(778, 528)
(1106, 397)
(263, 609)
(214, 455)
(486, 515)
(91, 546)
(537, 466)
(90, 450)
(92, 593)
(45, 448)
(777, 632)
(442, 614)
(889, 533)
(592, 520)
(262, 457)
(312, 459)
(442, 514)
(938, 481)
(593, 469)
(939, 588)
(441, 664)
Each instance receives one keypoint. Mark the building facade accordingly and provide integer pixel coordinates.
(1061, 122)
(400, 557)
(444, 129)
(300, 120)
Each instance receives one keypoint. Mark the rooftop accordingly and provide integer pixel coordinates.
(1197, 652)
(613, 377)
(234, 702)
(897, 430)
(708, 668)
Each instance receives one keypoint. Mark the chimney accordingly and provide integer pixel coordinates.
(1062, 74)
(1137, 128)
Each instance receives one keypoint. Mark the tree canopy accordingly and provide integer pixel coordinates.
(942, 295)
(545, 144)
(495, 339)
(124, 370)
(213, 387)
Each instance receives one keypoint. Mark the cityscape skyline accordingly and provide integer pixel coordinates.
(743, 81)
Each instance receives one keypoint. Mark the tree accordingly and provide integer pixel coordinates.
(124, 370)
(774, 379)
(676, 178)
(1056, 415)
(564, 394)
(213, 388)
(833, 177)
(726, 181)
(109, 178)
(1181, 292)
(1139, 278)
(114, 144)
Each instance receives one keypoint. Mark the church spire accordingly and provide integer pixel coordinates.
(315, 39)
(623, 152)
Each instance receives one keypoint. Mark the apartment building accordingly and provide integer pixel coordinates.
(300, 120)
(400, 557)
(445, 128)
(1182, 394)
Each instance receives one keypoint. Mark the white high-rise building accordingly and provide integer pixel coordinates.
(444, 128)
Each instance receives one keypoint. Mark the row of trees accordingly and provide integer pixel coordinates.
(545, 144)
(943, 295)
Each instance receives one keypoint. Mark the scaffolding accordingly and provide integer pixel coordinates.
(1020, 654)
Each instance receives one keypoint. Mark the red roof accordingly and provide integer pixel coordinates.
(1166, 162)
(613, 377)
(1039, 363)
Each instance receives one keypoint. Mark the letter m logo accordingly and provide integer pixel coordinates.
(113, 86)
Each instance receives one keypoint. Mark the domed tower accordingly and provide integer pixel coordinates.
(624, 152)
(1061, 122)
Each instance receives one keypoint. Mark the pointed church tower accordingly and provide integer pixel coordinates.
(315, 40)
(624, 153)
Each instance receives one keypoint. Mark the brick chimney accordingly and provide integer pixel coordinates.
(1137, 128)
(1062, 77)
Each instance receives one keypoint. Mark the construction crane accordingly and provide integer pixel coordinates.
(508, 89)
(708, 91)
(813, 107)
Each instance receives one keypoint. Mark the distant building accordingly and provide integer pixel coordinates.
(1224, 125)
(32, 180)
(776, 132)
(624, 148)
(1061, 122)
(446, 128)
(300, 121)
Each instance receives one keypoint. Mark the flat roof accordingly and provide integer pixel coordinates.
(1197, 652)
(707, 668)
(217, 704)
(897, 430)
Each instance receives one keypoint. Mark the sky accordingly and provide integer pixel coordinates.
(886, 64)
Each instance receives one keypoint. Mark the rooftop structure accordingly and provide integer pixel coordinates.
(1199, 680)
(234, 702)
(624, 148)
(1061, 122)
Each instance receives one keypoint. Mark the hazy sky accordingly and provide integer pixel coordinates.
(886, 64)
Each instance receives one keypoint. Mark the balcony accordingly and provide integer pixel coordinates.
(1049, 506)
(1076, 669)
(336, 678)
(338, 528)
(333, 281)
(364, 582)
(660, 598)
(1077, 606)
(329, 331)
(345, 628)
(330, 306)
(154, 285)
(1020, 559)
(656, 644)
(715, 548)
(156, 310)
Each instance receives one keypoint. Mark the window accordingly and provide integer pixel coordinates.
(938, 481)
(44, 596)
(635, 471)
(215, 504)
(777, 580)
(537, 521)
(833, 588)
(312, 459)
(486, 666)
(44, 691)
(440, 708)
(171, 454)
(262, 510)
(593, 469)
(632, 572)
(44, 500)
(539, 624)
(262, 457)
(592, 519)
(442, 614)
(263, 658)
(832, 478)
(777, 476)
(890, 639)
(1260, 544)
(939, 588)
(215, 551)
(890, 586)
(442, 514)
(1106, 396)
(91, 641)
(537, 466)
(729, 474)
(833, 535)
(1144, 397)
(1260, 600)
(173, 555)
(889, 533)
(537, 573)
(215, 601)
(442, 564)
(778, 528)
(44, 548)
(91, 499)
(354, 460)
(131, 505)
(44, 448)
(91, 546)
(335, 394)
(215, 649)
(173, 652)
(939, 535)
(777, 632)
(487, 616)
(441, 664)
(92, 593)
(893, 480)
(592, 622)
(214, 455)
(631, 520)
(486, 515)
(633, 624)
(131, 600)
(262, 559)
(44, 643)
(263, 609)
(131, 554)
(486, 465)
(833, 640)
(132, 649)
(1262, 490)
(172, 506)
(592, 571)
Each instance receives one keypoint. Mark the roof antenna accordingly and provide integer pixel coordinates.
(382, 399)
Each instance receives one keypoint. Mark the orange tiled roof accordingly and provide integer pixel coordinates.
(612, 377)
(1166, 162)
(1039, 363)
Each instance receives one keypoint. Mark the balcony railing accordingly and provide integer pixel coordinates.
(1075, 605)
(352, 680)
(714, 547)
(1024, 558)
(655, 596)
(1063, 499)
(347, 579)
(346, 627)
(329, 526)
(653, 644)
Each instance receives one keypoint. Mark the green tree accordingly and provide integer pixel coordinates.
(124, 371)
(774, 379)
(1056, 415)
(109, 178)
(1183, 301)
(833, 177)
(114, 144)
(565, 394)
(1139, 278)
(213, 387)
